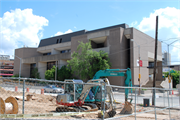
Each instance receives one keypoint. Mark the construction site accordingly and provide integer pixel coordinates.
(36, 102)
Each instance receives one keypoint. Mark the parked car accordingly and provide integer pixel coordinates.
(53, 88)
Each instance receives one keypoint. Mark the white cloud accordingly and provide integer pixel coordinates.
(168, 27)
(60, 33)
(18, 28)
(75, 27)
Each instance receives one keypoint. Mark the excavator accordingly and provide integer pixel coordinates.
(87, 98)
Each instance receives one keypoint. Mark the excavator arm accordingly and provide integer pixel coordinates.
(117, 72)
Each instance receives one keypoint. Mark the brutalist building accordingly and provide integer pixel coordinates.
(124, 45)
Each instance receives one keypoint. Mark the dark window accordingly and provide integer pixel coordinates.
(57, 41)
(46, 54)
(65, 51)
(51, 64)
(32, 67)
(60, 40)
(151, 64)
(100, 45)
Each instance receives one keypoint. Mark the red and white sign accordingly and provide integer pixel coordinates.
(139, 63)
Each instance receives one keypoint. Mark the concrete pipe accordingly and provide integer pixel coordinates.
(9, 106)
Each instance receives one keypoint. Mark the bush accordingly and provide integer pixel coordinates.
(64, 73)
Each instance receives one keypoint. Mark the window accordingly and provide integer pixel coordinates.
(46, 54)
(60, 40)
(32, 67)
(65, 51)
(151, 64)
(51, 64)
(57, 41)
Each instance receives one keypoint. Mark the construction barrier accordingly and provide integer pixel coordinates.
(27, 89)
(42, 115)
(42, 91)
(16, 88)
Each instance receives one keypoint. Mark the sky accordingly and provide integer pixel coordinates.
(26, 22)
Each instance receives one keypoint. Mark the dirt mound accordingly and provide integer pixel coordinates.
(2, 90)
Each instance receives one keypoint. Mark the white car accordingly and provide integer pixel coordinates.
(53, 88)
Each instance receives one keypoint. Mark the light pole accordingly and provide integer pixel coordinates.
(168, 62)
(19, 68)
(139, 65)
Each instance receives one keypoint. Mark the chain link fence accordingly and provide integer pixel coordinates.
(36, 99)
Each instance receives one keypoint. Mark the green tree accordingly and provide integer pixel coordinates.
(35, 73)
(85, 62)
(50, 74)
(64, 73)
(175, 76)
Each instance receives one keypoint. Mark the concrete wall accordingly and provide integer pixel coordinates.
(24, 53)
(147, 44)
(116, 43)
(47, 58)
(62, 63)
(42, 66)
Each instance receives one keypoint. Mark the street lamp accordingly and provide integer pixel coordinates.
(20, 67)
(139, 65)
(168, 62)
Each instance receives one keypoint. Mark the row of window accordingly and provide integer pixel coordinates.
(46, 53)
(59, 41)
(6, 72)
(63, 51)
(6, 67)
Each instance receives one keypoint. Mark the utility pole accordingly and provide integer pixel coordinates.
(155, 61)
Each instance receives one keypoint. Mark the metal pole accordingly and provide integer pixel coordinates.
(102, 112)
(139, 71)
(104, 99)
(169, 106)
(169, 71)
(155, 105)
(19, 71)
(155, 61)
(23, 96)
(164, 99)
(135, 104)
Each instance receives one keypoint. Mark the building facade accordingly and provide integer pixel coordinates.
(119, 41)
(6, 66)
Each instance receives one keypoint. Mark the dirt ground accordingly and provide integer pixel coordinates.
(47, 104)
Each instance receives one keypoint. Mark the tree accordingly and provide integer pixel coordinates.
(85, 62)
(175, 76)
(50, 74)
(35, 73)
(64, 73)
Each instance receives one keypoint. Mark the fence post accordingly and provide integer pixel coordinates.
(171, 99)
(169, 106)
(104, 99)
(155, 103)
(135, 104)
(23, 96)
(102, 112)
(164, 99)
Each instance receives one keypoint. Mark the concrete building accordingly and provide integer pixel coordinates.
(119, 41)
(6, 66)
